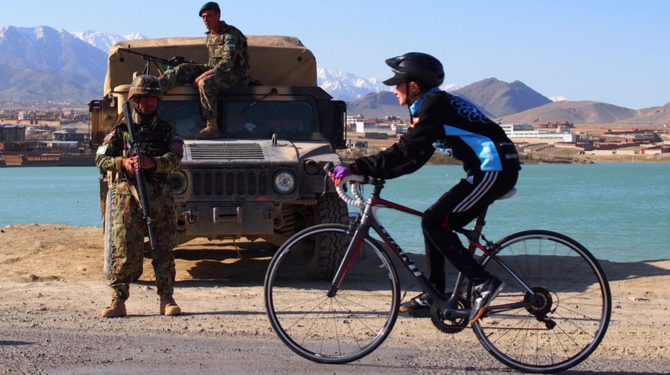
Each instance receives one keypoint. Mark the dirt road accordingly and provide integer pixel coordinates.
(52, 291)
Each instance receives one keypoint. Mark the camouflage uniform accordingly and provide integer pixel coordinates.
(228, 58)
(160, 140)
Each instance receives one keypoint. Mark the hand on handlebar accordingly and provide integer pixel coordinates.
(338, 173)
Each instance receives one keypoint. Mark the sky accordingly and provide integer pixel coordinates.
(609, 51)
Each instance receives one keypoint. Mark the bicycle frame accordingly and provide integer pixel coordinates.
(367, 219)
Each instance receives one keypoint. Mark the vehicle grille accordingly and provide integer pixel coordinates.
(226, 151)
(229, 183)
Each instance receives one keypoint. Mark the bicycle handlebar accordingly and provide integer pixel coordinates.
(357, 180)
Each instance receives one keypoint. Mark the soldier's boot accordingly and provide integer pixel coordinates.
(209, 132)
(115, 309)
(169, 306)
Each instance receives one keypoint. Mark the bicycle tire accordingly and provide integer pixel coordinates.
(337, 329)
(570, 319)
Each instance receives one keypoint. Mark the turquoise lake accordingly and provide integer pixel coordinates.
(619, 211)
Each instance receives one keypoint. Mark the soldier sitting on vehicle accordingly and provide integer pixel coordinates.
(227, 66)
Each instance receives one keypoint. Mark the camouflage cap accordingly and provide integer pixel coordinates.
(210, 5)
(145, 85)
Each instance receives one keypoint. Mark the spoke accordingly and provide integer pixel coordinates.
(564, 274)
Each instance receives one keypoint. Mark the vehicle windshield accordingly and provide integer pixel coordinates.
(254, 119)
(186, 114)
(246, 119)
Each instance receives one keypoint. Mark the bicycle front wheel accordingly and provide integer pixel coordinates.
(571, 307)
(339, 328)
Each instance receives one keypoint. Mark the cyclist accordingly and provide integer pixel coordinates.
(452, 125)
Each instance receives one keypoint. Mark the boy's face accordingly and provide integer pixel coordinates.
(400, 91)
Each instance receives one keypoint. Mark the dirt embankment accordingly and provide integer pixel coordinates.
(52, 291)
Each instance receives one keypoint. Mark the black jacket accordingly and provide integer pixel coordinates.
(444, 122)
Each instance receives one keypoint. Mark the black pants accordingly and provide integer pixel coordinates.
(455, 209)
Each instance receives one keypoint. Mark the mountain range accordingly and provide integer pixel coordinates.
(43, 64)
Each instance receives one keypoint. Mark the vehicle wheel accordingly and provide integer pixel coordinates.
(328, 328)
(326, 253)
(571, 307)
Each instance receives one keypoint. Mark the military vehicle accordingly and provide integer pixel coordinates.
(263, 179)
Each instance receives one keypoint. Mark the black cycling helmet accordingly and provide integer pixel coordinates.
(418, 67)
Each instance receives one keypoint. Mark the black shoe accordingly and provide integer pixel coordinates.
(420, 302)
(484, 294)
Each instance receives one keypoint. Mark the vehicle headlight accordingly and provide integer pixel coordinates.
(311, 167)
(179, 182)
(284, 182)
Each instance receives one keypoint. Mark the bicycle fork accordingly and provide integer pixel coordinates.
(350, 254)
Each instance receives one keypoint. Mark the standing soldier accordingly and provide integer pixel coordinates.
(162, 150)
(227, 66)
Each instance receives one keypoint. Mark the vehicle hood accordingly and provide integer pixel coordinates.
(250, 152)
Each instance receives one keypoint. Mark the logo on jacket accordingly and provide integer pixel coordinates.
(467, 110)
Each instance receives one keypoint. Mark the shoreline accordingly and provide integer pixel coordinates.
(32, 227)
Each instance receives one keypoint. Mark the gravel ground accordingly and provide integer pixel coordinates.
(52, 292)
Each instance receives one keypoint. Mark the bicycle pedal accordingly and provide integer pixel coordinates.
(420, 313)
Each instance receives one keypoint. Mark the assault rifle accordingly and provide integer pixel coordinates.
(159, 62)
(139, 173)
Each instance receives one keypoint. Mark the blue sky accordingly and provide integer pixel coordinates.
(610, 51)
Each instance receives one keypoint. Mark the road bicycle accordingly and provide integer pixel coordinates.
(552, 314)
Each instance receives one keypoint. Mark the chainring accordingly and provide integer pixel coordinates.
(447, 325)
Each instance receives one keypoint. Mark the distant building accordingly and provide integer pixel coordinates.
(398, 128)
(361, 126)
(12, 133)
(352, 120)
(60, 146)
(555, 125)
(527, 131)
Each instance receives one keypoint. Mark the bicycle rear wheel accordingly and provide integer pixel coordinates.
(336, 329)
(570, 314)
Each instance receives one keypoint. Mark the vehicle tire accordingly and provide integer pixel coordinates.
(331, 329)
(324, 258)
(572, 310)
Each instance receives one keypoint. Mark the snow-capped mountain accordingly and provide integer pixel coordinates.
(45, 64)
(560, 98)
(347, 86)
(103, 40)
(41, 63)
(51, 50)
(450, 87)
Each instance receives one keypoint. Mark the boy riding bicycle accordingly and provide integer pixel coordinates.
(442, 121)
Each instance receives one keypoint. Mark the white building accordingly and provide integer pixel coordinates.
(527, 131)
(352, 120)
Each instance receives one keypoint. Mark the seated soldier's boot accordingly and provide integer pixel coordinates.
(169, 306)
(115, 309)
(209, 132)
